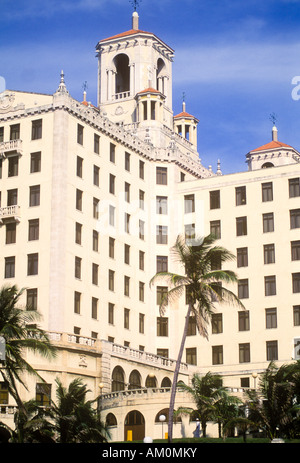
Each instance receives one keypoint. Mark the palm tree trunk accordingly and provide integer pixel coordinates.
(175, 377)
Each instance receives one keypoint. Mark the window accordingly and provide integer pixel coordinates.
(112, 210)
(12, 197)
(111, 309)
(127, 161)
(296, 348)
(215, 228)
(142, 199)
(267, 192)
(112, 181)
(80, 134)
(32, 264)
(96, 144)
(34, 195)
(127, 254)
(112, 153)
(268, 222)
(33, 229)
(241, 226)
(240, 196)
(162, 324)
(36, 129)
(94, 308)
(96, 203)
(161, 205)
(142, 170)
(126, 318)
(77, 300)
(111, 280)
(217, 355)
(295, 218)
(35, 162)
(95, 273)
(77, 267)
(127, 192)
(79, 195)
(78, 233)
(13, 166)
(1, 134)
(244, 353)
(214, 199)
(191, 355)
(296, 315)
(243, 320)
(15, 132)
(43, 394)
(141, 323)
(192, 326)
(95, 240)
(269, 253)
(161, 264)
(111, 247)
(127, 222)
(296, 282)
(126, 286)
(270, 285)
(96, 176)
(243, 289)
(31, 300)
(272, 350)
(161, 234)
(294, 187)
(11, 231)
(242, 257)
(190, 231)
(271, 318)
(161, 175)
(189, 204)
(217, 323)
(141, 260)
(141, 291)
(161, 294)
(9, 267)
(295, 250)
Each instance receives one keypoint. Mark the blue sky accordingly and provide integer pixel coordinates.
(234, 59)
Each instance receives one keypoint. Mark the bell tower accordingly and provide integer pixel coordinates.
(135, 67)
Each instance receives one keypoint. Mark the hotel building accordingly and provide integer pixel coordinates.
(92, 200)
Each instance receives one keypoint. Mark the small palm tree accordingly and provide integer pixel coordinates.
(202, 282)
(18, 328)
(76, 420)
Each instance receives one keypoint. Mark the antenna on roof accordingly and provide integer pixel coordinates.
(135, 3)
(273, 118)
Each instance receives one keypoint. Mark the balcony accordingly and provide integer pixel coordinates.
(9, 147)
(9, 214)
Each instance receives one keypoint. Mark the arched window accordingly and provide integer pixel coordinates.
(151, 381)
(118, 379)
(111, 420)
(159, 75)
(166, 382)
(134, 380)
(266, 165)
(122, 73)
(135, 424)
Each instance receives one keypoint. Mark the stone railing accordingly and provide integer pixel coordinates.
(9, 212)
(9, 146)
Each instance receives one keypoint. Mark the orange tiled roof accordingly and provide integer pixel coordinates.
(184, 114)
(272, 145)
(149, 90)
(124, 34)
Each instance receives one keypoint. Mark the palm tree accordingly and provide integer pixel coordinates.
(76, 420)
(18, 328)
(202, 283)
(272, 406)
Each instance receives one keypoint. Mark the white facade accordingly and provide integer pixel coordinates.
(93, 198)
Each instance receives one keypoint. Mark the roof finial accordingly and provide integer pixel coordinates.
(273, 118)
(135, 16)
(135, 3)
(183, 101)
(62, 86)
